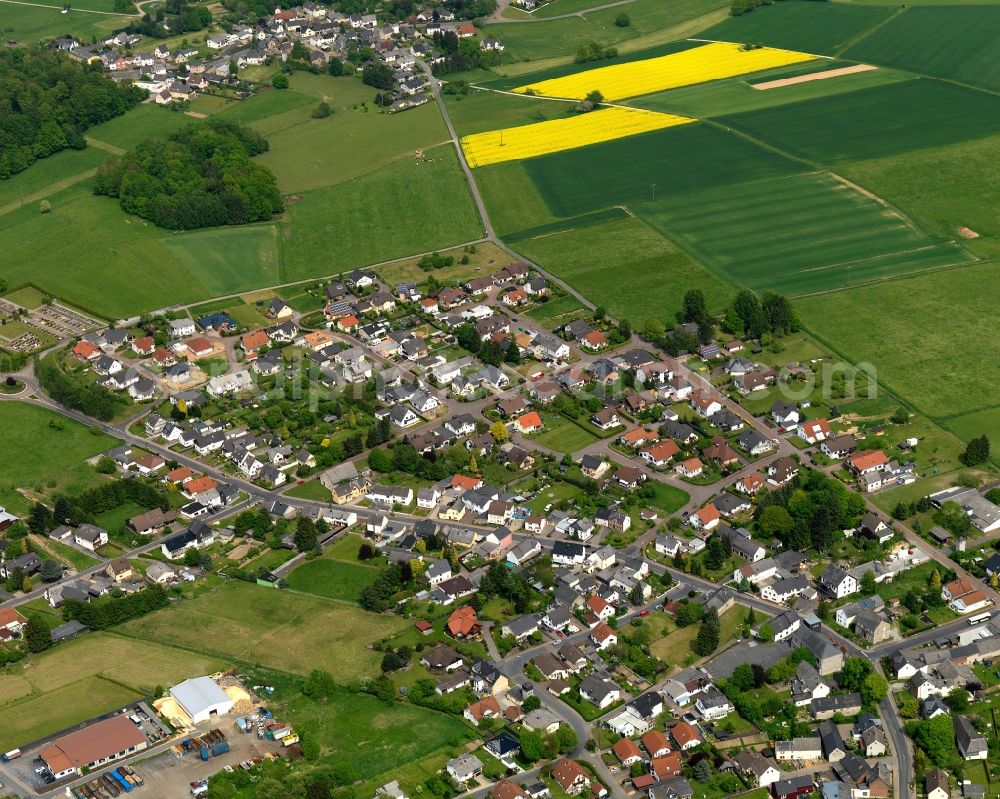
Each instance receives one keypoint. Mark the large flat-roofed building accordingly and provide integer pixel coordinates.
(201, 698)
(93, 746)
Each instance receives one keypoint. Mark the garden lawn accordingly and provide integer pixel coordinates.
(667, 498)
(406, 208)
(333, 579)
(313, 489)
(594, 259)
(292, 632)
(822, 234)
(27, 297)
(921, 336)
(800, 25)
(553, 495)
(954, 42)
(674, 648)
(33, 453)
(563, 435)
(557, 311)
(485, 257)
(64, 553)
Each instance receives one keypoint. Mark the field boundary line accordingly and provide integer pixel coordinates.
(52, 188)
(672, 33)
(60, 8)
(502, 20)
(766, 46)
(860, 37)
(888, 278)
(319, 278)
(103, 145)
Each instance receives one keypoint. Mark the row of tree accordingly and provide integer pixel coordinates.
(84, 507)
(47, 101)
(201, 176)
(93, 400)
(108, 611)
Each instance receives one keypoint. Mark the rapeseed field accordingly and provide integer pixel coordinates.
(552, 136)
(698, 65)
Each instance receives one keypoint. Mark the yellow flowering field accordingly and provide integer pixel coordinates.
(697, 65)
(542, 138)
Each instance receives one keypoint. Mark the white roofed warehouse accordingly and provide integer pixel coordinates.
(201, 698)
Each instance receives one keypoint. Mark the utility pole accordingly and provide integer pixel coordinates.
(652, 188)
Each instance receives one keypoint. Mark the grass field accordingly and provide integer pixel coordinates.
(652, 22)
(821, 234)
(28, 24)
(970, 425)
(480, 111)
(331, 578)
(736, 95)
(593, 259)
(408, 207)
(227, 260)
(143, 122)
(557, 312)
(118, 265)
(932, 186)
(300, 165)
(47, 176)
(656, 165)
(926, 351)
(56, 455)
(954, 42)
(876, 122)
(26, 297)
(390, 735)
(263, 105)
(801, 25)
(281, 630)
(498, 184)
(85, 677)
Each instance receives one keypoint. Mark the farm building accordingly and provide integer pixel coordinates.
(93, 746)
(201, 698)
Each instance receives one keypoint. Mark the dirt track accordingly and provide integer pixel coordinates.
(830, 73)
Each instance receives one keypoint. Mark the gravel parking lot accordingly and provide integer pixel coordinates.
(169, 777)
